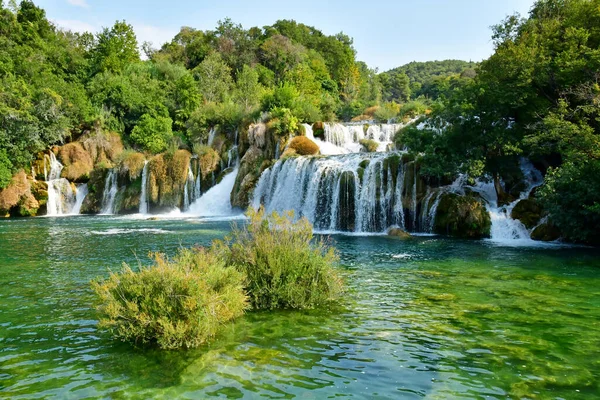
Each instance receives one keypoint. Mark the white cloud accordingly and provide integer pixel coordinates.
(79, 3)
(76, 26)
(153, 34)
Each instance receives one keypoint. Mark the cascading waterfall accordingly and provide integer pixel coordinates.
(189, 192)
(216, 201)
(345, 138)
(61, 197)
(110, 193)
(144, 206)
(80, 195)
(504, 227)
(337, 193)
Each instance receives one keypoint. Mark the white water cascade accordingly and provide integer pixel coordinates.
(61, 197)
(80, 194)
(354, 192)
(216, 201)
(110, 193)
(144, 206)
(345, 138)
(504, 227)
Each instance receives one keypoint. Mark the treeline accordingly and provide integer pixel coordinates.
(56, 84)
(537, 96)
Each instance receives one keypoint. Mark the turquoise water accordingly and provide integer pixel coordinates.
(428, 318)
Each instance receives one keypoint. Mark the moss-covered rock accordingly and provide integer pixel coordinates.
(546, 232)
(248, 174)
(318, 129)
(167, 177)
(15, 195)
(103, 147)
(368, 145)
(399, 234)
(131, 163)
(528, 211)
(78, 163)
(304, 146)
(463, 217)
(92, 204)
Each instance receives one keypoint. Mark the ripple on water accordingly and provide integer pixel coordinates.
(429, 317)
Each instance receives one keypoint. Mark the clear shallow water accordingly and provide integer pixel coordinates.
(428, 318)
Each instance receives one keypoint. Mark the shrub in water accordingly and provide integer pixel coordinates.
(284, 266)
(174, 303)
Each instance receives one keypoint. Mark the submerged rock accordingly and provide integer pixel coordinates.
(528, 211)
(546, 232)
(463, 217)
(399, 233)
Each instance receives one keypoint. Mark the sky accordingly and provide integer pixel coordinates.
(386, 33)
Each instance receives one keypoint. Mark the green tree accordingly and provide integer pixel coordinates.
(115, 48)
(214, 78)
(153, 133)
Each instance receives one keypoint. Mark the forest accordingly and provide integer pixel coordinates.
(537, 96)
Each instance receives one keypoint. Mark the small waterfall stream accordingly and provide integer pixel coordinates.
(80, 195)
(216, 201)
(144, 206)
(110, 193)
(61, 197)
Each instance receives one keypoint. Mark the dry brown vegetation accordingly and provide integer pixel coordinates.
(304, 146)
(131, 163)
(11, 195)
(167, 176)
(77, 161)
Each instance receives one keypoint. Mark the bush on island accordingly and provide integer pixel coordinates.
(270, 263)
(284, 266)
(174, 303)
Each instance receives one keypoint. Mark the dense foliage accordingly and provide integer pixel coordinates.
(285, 266)
(537, 96)
(55, 85)
(174, 303)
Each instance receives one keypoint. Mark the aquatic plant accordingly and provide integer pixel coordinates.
(174, 303)
(284, 266)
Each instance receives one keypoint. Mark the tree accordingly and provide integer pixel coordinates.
(248, 89)
(115, 48)
(153, 133)
(214, 78)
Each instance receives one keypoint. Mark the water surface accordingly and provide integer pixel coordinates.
(428, 318)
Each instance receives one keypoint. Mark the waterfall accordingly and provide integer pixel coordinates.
(414, 198)
(277, 151)
(80, 195)
(110, 193)
(337, 193)
(211, 136)
(233, 156)
(61, 198)
(504, 227)
(216, 201)
(144, 206)
(189, 190)
(398, 211)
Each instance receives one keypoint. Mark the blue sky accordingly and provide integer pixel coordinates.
(386, 33)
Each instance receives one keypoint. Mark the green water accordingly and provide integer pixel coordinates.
(429, 318)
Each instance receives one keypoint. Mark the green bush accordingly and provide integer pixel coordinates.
(172, 304)
(284, 266)
(369, 145)
(153, 133)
